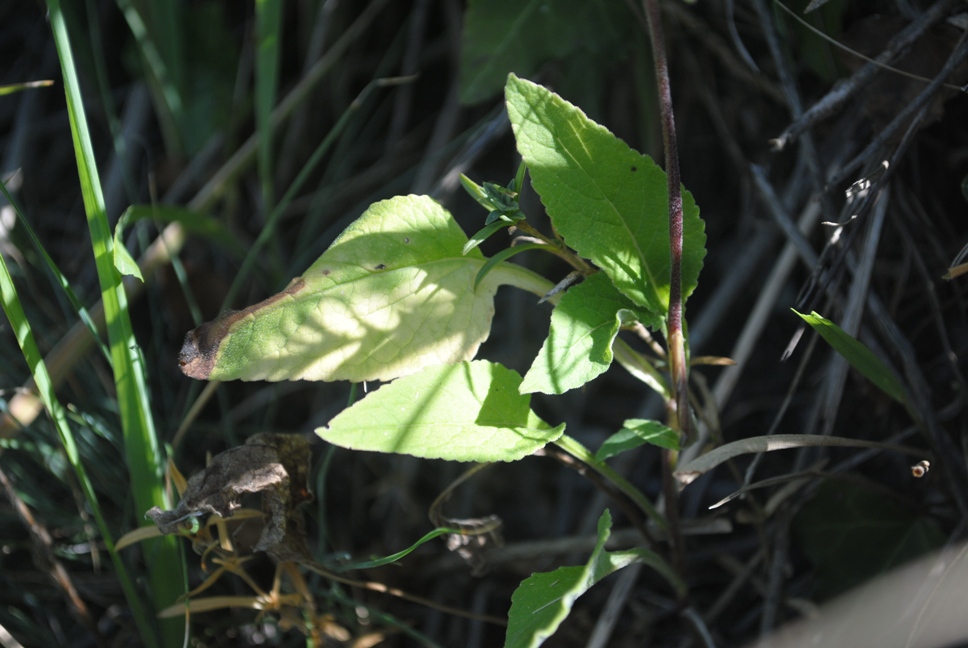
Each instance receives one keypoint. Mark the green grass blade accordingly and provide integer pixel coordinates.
(162, 77)
(45, 387)
(392, 558)
(268, 32)
(57, 275)
(858, 355)
(504, 255)
(141, 447)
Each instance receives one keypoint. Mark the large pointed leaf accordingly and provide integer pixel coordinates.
(470, 411)
(541, 602)
(502, 36)
(579, 344)
(608, 201)
(392, 295)
(852, 533)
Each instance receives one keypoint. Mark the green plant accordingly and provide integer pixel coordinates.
(403, 296)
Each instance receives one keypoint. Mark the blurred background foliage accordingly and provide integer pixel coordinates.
(177, 105)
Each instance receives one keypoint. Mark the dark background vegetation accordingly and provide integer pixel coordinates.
(789, 548)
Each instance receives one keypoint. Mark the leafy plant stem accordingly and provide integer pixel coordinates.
(580, 452)
(558, 248)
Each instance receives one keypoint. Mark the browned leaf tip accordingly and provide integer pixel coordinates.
(198, 352)
(200, 349)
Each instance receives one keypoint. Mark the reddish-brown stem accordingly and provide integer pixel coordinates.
(679, 403)
(677, 355)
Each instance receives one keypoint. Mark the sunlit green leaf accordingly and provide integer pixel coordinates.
(858, 355)
(579, 344)
(609, 202)
(470, 411)
(393, 294)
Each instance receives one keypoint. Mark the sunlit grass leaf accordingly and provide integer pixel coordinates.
(123, 260)
(470, 411)
(609, 202)
(686, 474)
(393, 294)
(127, 363)
(541, 602)
(858, 355)
(637, 432)
(20, 87)
(579, 344)
(502, 36)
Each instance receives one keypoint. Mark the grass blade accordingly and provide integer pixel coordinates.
(858, 355)
(45, 387)
(141, 447)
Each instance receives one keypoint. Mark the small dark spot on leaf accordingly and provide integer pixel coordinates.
(326, 271)
(634, 169)
(406, 239)
(380, 266)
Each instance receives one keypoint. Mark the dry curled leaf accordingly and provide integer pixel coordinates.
(274, 465)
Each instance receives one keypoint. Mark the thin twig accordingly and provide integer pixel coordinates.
(846, 89)
(958, 55)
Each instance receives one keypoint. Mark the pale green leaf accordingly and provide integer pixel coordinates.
(502, 36)
(858, 355)
(637, 432)
(579, 344)
(123, 260)
(392, 295)
(608, 201)
(470, 411)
